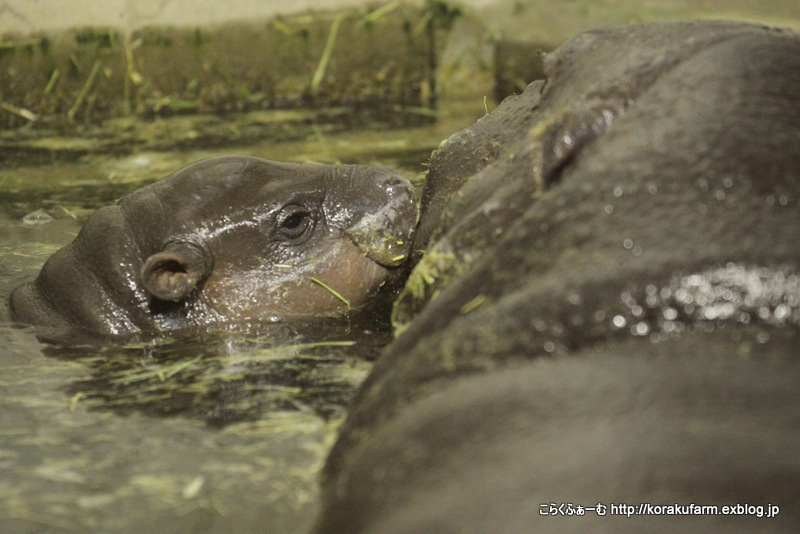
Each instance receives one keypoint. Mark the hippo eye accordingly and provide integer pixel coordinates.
(295, 223)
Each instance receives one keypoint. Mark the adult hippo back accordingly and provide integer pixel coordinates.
(606, 312)
(230, 239)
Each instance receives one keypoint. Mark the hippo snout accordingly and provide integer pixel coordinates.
(384, 230)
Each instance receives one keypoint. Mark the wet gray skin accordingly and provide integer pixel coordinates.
(228, 240)
(608, 305)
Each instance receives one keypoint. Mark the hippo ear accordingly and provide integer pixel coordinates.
(175, 272)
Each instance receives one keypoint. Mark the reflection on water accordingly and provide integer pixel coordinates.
(225, 431)
(210, 432)
(80, 470)
(224, 378)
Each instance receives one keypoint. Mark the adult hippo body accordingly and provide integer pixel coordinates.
(607, 308)
(228, 240)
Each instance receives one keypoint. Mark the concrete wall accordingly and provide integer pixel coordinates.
(25, 16)
(555, 18)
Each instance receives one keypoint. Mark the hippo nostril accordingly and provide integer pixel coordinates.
(396, 186)
(394, 181)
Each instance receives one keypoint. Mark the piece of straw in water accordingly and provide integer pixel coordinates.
(333, 291)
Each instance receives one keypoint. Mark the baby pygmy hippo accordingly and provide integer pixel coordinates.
(231, 239)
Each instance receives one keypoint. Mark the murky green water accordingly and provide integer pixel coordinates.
(212, 433)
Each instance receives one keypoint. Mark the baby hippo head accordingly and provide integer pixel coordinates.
(230, 239)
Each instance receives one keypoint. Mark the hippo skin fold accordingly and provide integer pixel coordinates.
(231, 240)
(604, 308)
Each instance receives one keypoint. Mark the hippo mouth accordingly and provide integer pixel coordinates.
(384, 236)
